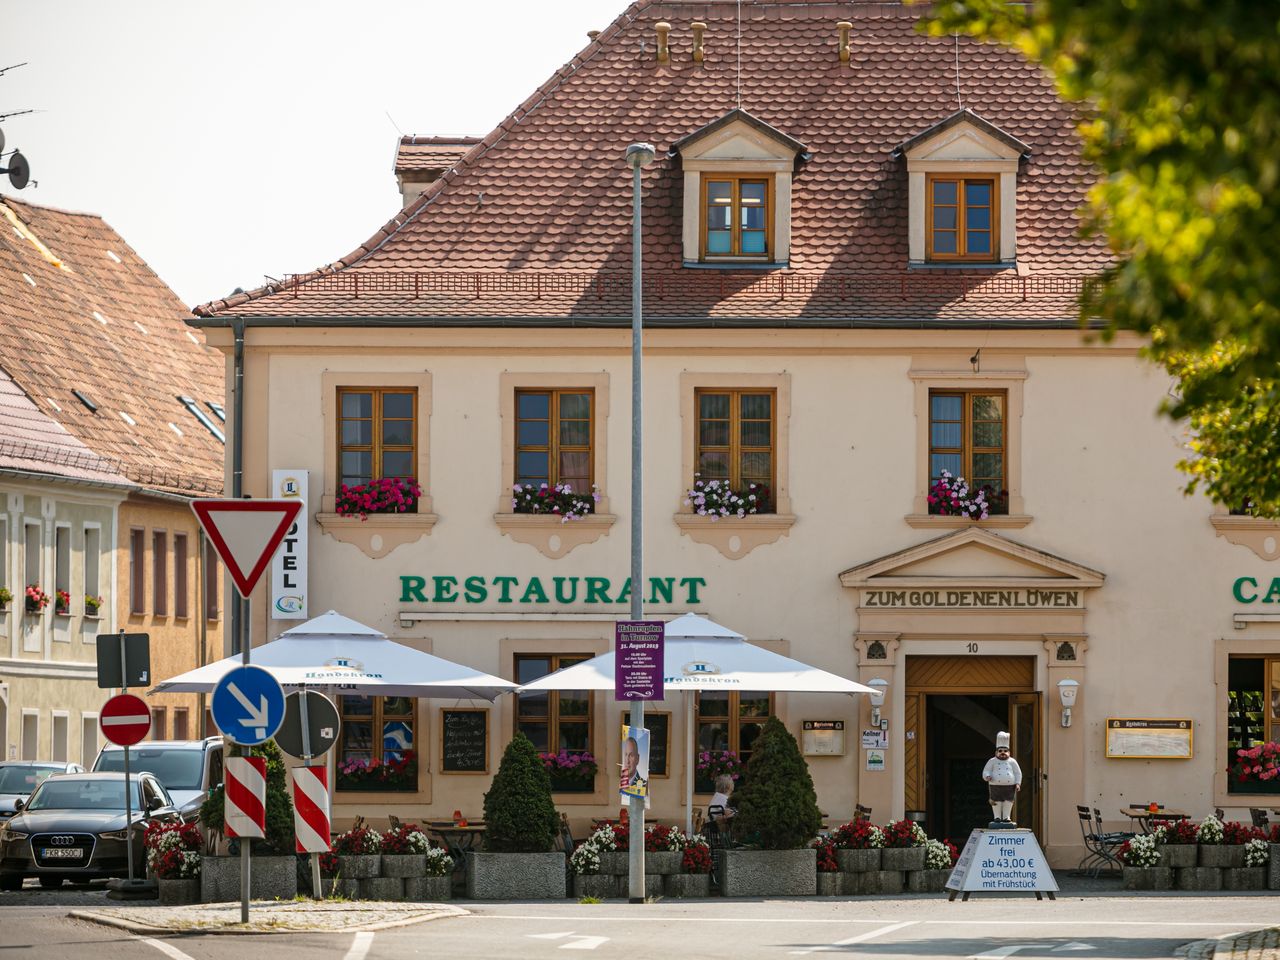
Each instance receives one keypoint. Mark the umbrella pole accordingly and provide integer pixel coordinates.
(690, 738)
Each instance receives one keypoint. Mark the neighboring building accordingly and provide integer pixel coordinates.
(861, 260)
(110, 424)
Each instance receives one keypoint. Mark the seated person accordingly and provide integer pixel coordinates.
(719, 807)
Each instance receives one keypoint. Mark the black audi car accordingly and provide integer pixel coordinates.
(73, 827)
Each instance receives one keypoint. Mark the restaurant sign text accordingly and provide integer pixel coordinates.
(983, 599)
(683, 591)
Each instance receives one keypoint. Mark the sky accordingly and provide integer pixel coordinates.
(226, 140)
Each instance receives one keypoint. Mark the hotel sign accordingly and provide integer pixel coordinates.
(680, 591)
(974, 599)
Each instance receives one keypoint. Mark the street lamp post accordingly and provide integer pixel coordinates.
(638, 155)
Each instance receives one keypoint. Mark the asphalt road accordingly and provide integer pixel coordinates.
(35, 924)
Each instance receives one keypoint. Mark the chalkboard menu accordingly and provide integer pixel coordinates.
(659, 727)
(464, 740)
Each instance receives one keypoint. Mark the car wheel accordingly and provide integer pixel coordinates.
(10, 881)
(51, 883)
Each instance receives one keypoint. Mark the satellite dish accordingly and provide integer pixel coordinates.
(19, 170)
(1, 141)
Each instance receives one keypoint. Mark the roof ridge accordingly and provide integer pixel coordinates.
(8, 201)
(407, 215)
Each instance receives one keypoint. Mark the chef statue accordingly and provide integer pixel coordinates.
(1004, 780)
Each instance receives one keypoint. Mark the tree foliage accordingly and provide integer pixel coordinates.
(1181, 116)
(776, 800)
(280, 834)
(519, 815)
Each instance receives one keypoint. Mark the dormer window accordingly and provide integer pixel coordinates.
(962, 177)
(737, 192)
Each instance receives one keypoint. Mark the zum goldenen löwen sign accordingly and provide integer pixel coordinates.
(981, 599)
(535, 590)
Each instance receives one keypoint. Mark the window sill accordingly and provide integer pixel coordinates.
(1260, 535)
(928, 521)
(378, 534)
(381, 796)
(551, 536)
(736, 265)
(963, 265)
(735, 537)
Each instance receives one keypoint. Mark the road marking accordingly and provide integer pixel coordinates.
(168, 949)
(869, 935)
(550, 936)
(581, 942)
(1073, 945)
(1275, 921)
(1001, 952)
(359, 946)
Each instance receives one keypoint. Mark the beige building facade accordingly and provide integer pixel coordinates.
(850, 287)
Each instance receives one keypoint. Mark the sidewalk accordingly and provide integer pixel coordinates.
(266, 916)
(1255, 945)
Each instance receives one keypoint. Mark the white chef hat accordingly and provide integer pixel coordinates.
(1002, 740)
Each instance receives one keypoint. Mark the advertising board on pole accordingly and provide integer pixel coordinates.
(637, 660)
(289, 565)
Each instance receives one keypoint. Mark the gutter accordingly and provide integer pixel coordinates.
(621, 322)
(237, 459)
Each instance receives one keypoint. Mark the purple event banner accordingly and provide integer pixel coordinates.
(637, 660)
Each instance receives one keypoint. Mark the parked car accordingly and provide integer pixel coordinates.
(19, 777)
(74, 827)
(187, 768)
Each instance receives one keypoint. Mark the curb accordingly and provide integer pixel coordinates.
(1229, 943)
(148, 929)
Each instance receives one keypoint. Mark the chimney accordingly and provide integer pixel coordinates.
(844, 26)
(663, 28)
(698, 28)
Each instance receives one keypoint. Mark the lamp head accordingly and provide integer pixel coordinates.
(877, 697)
(1067, 690)
(640, 155)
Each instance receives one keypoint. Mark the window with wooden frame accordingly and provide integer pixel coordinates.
(961, 217)
(137, 572)
(737, 440)
(378, 746)
(967, 438)
(737, 214)
(554, 438)
(555, 720)
(212, 581)
(181, 599)
(159, 573)
(729, 720)
(377, 434)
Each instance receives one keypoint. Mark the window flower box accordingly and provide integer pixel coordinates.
(715, 499)
(36, 599)
(6, 598)
(1256, 769)
(92, 605)
(399, 775)
(951, 497)
(62, 603)
(384, 495)
(571, 772)
(559, 501)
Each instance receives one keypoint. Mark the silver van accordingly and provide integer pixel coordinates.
(188, 769)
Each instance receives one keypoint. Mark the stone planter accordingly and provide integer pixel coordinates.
(927, 881)
(830, 884)
(515, 876)
(178, 893)
(1244, 878)
(602, 886)
(1221, 855)
(1199, 878)
(270, 878)
(684, 885)
(363, 866)
(663, 862)
(614, 862)
(1273, 869)
(1148, 878)
(404, 865)
(769, 873)
(902, 858)
(1177, 855)
(428, 889)
(858, 861)
(346, 889)
(382, 888)
(874, 883)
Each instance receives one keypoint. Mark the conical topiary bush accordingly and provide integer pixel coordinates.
(519, 816)
(777, 802)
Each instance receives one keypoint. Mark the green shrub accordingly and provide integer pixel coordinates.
(280, 837)
(777, 801)
(519, 816)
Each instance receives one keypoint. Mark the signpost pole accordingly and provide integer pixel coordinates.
(242, 626)
(316, 892)
(128, 793)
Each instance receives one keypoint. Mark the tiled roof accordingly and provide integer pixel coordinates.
(431, 153)
(541, 208)
(80, 310)
(32, 443)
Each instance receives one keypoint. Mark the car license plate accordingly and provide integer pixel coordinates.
(62, 853)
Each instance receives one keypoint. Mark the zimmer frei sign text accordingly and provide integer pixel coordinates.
(682, 591)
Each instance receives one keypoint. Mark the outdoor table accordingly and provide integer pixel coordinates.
(457, 840)
(1143, 817)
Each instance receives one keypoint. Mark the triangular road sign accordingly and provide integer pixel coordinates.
(246, 534)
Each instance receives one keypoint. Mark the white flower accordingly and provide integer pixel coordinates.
(1257, 853)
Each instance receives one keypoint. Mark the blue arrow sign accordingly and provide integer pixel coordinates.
(248, 705)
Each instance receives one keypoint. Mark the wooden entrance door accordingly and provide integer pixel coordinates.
(1024, 735)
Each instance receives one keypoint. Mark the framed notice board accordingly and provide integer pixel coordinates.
(464, 740)
(659, 727)
(1131, 738)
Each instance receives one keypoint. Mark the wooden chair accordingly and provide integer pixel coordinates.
(1260, 818)
(1217, 812)
(567, 842)
(394, 821)
(861, 813)
(698, 819)
(1101, 846)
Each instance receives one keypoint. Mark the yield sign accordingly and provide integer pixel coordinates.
(246, 534)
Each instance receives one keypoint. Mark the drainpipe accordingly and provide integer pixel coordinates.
(237, 458)
(202, 612)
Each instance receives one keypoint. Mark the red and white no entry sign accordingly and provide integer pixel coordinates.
(125, 720)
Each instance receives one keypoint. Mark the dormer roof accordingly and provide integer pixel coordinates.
(738, 115)
(960, 119)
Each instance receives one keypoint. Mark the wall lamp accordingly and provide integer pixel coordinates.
(877, 699)
(1067, 690)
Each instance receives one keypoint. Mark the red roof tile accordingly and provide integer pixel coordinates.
(546, 196)
(431, 153)
(82, 311)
